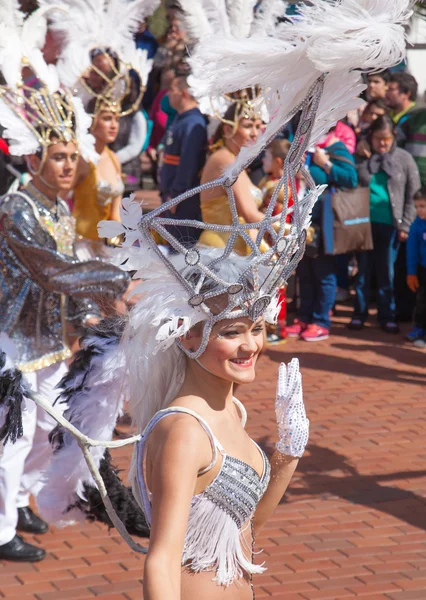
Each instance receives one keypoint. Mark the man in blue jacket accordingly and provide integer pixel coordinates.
(185, 151)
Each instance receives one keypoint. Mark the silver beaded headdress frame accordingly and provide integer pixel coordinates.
(253, 293)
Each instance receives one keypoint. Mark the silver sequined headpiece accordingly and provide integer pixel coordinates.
(253, 293)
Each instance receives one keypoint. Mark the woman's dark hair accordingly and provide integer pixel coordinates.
(379, 103)
(382, 123)
(420, 194)
(228, 116)
(106, 52)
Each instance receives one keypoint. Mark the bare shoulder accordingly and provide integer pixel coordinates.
(223, 157)
(180, 435)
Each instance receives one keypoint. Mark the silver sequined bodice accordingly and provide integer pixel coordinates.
(237, 488)
(219, 516)
(42, 283)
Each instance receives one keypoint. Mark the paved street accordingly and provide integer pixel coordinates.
(353, 521)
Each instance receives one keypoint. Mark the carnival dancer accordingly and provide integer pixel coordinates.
(234, 121)
(103, 66)
(203, 309)
(43, 285)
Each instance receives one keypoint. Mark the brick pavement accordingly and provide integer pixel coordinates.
(353, 521)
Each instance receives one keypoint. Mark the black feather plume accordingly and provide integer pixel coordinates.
(12, 393)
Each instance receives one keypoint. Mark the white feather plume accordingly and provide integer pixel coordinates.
(100, 24)
(94, 411)
(197, 25)
(10, 13)
(266, 17)
(338, 38)
(241, 15)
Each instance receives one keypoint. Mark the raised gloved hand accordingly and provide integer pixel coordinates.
(293, 425)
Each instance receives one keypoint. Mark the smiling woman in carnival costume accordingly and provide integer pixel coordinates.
(196, 328)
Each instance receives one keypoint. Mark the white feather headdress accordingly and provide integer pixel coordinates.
(32, 104)
(338, 38)
(235, 19)
(107, 27)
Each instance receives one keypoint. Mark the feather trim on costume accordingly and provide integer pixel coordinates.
(217, 543)
(94, 392)
(85, 140)
(21, 140)
(13, 391)
(121, 498)
(267, 16)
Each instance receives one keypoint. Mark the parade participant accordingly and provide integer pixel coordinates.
(235, 122)
(104, 68)
(203, 309)
(43, 285)
(237, 129)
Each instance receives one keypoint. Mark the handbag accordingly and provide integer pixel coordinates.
(346, 225)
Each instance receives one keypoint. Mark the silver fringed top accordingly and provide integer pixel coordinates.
(42, 283)
(220, 515)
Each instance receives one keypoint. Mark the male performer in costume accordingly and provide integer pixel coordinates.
(42, 284)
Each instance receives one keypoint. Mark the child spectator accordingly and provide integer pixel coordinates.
(416, 266)
(377, 85)
(273, 165)
(372, 111)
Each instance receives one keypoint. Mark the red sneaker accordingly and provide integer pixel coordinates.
(296, 329)
(314, 333)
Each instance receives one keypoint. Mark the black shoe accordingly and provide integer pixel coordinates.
(390, 327)
(20, 551)
(29, 522)
(356, 325)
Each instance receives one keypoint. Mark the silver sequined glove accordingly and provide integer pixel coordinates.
(293, 425)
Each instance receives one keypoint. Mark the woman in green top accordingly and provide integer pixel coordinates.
(393, 179)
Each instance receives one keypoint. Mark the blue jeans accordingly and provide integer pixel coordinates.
(380, 261)
(317, 284)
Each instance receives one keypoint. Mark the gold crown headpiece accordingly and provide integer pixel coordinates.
(112, 84)
(46, 115)
(36, 114)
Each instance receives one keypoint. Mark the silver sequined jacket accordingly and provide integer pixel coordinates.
(42, 283)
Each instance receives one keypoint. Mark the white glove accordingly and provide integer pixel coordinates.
(293, 425)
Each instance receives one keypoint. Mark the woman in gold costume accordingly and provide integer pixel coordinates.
(238, 128)
(99, 190)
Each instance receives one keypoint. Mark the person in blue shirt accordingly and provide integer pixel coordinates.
(185, 151)
(146, 41)
(416, 266)
(334, 166)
